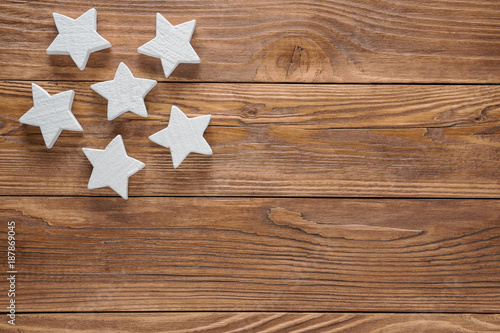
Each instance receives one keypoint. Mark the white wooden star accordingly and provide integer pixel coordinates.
(171, 44)
(78, 37)
(112, 167)
(51, 113)
(124, 93)
(183, 135)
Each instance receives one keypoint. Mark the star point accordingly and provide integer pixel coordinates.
(112, 167)
(171, 44)
(183, 136)
(77, 37)
(125, 93)
(51, 113)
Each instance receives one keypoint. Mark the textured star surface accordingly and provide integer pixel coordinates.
(112, 167)
(77, 37)
(171, 44)
(183, 135)
(124, 93)
(51, 113)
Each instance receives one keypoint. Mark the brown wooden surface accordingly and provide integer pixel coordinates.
(274, 140)
(243, 254)
(270, 41)
(354, 184)
(258, 322)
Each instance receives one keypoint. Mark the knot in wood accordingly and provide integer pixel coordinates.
(251, 110)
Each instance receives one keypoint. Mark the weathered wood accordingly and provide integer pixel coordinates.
(255, 322)
(273, 140)
(270, 41)
(223, 254)
(203, 252)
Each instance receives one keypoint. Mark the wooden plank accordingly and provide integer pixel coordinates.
(236, 254)
(270, 41)
(255, 322)
(273, 140)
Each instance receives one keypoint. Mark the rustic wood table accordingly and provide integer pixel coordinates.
(354, 185)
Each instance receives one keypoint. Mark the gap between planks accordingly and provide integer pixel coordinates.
(278, 83)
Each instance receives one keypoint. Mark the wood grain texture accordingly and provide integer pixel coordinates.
(273, 140)
(236, 254)
(270, 41)
(257, 226)
(217, 322)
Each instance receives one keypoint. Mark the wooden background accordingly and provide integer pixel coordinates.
(354, 185)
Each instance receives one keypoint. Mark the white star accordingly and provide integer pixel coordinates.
(51, 113)
(112, 167)
(183, 135)
(78, 38)
(171, 44)
(124, 93)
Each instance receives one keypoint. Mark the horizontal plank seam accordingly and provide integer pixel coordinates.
(248, 311)
(246, 197)
(289, 83)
